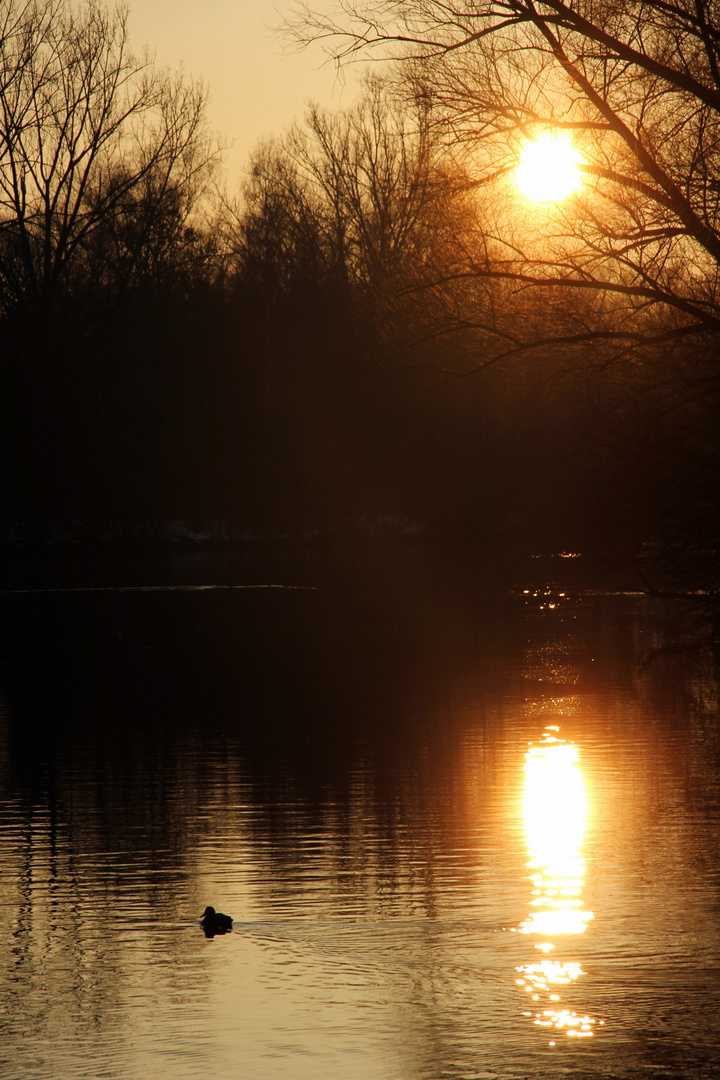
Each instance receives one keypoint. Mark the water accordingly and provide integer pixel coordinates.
(466, 821)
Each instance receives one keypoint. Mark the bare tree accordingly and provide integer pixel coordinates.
(374, 169)
(637, 88)
(364, 180)
(366, 200)
(90, 136)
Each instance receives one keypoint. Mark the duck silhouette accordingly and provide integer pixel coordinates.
(214, 922)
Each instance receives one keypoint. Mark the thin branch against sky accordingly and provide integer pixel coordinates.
(258, 84)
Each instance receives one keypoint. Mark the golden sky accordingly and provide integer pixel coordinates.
(229, 44)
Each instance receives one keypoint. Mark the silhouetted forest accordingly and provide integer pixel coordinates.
(318, 357)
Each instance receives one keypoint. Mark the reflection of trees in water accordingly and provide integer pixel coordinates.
(678, 686)
(62, 969)
(349, 756)
(94, 870)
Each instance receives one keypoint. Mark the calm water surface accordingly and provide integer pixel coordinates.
(466, 822)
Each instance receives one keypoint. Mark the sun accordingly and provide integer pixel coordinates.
(548, 169)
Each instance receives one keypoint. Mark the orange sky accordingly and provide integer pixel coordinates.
(255, 89)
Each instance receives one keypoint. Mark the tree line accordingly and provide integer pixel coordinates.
(373, 334)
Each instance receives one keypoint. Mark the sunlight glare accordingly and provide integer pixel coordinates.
(548, 169)
(555, 813)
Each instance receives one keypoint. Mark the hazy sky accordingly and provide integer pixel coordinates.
(255, 89)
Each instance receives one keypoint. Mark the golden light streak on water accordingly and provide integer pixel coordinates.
(555, 815)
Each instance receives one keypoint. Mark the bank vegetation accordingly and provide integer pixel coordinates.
(376, 334)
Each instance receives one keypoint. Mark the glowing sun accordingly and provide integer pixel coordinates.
(548, 169)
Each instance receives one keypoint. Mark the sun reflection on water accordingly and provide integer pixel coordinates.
(555, 814)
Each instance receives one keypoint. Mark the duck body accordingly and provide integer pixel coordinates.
(214, 922)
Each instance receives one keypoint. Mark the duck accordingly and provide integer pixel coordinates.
(214, 922)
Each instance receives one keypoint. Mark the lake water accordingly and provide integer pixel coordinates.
(466, 819)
